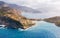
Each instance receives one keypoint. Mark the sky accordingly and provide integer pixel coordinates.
(47, 7)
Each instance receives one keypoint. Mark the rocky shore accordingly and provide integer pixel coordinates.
(12, 18)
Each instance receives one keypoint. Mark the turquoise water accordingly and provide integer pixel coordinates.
(40, 30)
(26, 34)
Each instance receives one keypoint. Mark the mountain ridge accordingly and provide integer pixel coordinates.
(19, 7)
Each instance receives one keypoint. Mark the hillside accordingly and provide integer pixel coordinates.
(55, 20)
(13, 15)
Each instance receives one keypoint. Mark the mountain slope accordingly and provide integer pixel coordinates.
(24, 8)
(12, 16)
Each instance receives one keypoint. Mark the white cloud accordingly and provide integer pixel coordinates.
(11, 1)
(47, 7)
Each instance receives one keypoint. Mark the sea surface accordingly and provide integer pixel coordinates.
(40, 30)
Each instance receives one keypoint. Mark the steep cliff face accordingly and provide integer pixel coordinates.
(55, 20)
(10, 23)
(14, 14)
(10, 13)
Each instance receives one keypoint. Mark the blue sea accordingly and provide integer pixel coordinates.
(40, 30)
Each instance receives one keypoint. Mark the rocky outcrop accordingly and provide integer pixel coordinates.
(55, 20)
(12, 18)
(10, 23)
(15, 15)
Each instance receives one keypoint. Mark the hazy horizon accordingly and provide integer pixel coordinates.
(48, 8)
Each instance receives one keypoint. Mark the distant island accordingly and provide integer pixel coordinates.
(55, 20)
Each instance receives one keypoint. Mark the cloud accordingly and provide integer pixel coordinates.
(47, 7)
(11, 1)
(33, 3)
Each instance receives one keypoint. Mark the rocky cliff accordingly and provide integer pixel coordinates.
(10, 23)
(14, 14)
(12, 18)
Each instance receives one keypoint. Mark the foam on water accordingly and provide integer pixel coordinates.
(2, 26)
